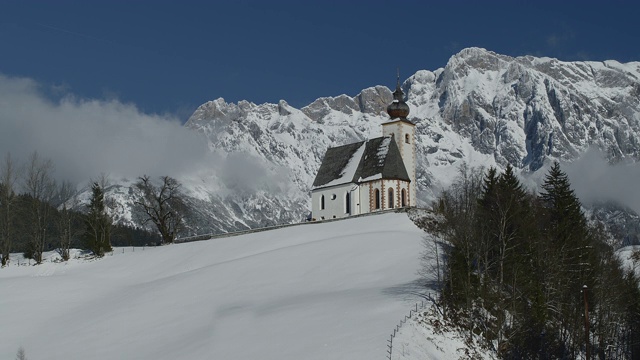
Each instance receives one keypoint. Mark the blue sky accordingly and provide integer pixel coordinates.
(168, 57)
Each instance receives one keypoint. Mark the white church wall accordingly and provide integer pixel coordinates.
(361, 197)
(334, 202)
(364, 198)
(371, 187)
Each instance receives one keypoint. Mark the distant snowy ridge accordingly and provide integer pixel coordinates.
(482, 109)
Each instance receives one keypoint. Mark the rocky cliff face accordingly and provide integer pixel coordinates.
(482, 109)
(526, 110)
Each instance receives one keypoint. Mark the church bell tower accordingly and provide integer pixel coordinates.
(404, 133)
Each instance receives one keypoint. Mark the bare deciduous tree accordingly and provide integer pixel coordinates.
(163, 205)
(8, 179)
(40, 186)
(65, 201)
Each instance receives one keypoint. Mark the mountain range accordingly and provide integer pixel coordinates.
(481, 109)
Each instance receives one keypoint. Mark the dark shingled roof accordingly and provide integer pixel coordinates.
(335, 160)
(380, 156)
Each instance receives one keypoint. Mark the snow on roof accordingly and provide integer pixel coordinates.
(349, 171)
(383, 150)
(370, 178)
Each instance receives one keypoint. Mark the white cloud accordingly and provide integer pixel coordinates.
(86, 137)
(244, 174)
(594, 179)
(89, 137)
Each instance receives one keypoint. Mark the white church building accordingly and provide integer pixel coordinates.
(371, 175)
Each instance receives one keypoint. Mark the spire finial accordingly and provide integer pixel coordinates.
(398, 108)
(398, 94)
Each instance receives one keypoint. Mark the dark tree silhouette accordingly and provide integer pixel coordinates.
(8, 179)
(98, 223)
(163, 205)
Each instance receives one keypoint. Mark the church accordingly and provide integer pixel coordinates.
(371, 175)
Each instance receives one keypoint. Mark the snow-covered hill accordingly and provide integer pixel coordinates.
(318, 291)
(482, 109)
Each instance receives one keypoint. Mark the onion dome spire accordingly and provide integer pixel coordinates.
(398, 108)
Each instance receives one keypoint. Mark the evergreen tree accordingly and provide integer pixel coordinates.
(8, 178)
(506, 207)
(98, 223)
(516, 265)
(486, 223)
(570, 258)
(511, 211)
(7, 200)
(564, 210)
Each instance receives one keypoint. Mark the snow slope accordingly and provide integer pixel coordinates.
(319, 291)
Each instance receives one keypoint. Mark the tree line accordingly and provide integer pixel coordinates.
(38, 214)
(525, 270)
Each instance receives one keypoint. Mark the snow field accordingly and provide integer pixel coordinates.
(321, 291)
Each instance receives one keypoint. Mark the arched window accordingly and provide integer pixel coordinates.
(406, 138)
(391, 198)
(347, 203)
(376, 194)
(403, 197)
(322, 202)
